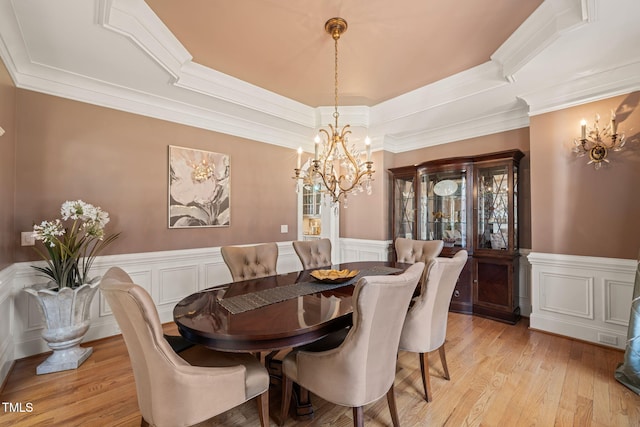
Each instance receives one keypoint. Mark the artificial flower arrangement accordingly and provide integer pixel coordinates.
(72, 249)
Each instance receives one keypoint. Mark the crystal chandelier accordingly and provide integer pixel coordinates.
(597, 142)
(340, 169)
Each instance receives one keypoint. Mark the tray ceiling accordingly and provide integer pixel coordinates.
(412, 74)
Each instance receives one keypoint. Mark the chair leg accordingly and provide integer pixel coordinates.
(287, 388)
(426, 381)
(391, 399)
(143, 423)
(263, 408)
(358, 417)
(443, 359)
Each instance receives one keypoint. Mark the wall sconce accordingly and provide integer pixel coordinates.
(597, 142)
(1, 131)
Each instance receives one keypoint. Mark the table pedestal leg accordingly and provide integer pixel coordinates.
(302, 400)
(304, 409)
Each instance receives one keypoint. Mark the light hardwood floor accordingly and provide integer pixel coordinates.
(501, 375)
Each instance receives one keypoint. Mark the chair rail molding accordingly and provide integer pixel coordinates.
(587, 298)
(168, 276)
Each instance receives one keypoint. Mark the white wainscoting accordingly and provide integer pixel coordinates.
(587, 298)
(6, 322)
(364, 250)
(168, 276)
(524, 283)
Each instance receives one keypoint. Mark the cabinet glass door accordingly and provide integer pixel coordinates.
(443, 207)
(311, 210)
(493, 208)
(404, 207)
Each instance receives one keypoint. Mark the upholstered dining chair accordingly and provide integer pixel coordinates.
(410, 251)
(360, 369)
(313, 253)
(186, 389)
(425, 327)
(251, 262)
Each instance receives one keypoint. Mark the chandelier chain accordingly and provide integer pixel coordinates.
(339, 169)
(335, 111)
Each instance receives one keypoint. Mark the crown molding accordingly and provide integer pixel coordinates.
(594, 87)
(137, 21)
(476, 80)
(502, 121)
(486, 99)
(547, 23)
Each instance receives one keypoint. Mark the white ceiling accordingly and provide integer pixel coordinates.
(413, 75)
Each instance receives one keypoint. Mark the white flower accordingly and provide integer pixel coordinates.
(74, 209)
(72, 249)
(48, 231)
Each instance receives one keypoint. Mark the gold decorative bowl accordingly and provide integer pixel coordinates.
(334, 276)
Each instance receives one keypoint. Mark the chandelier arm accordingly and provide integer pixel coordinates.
(335, 150)
(331, 185)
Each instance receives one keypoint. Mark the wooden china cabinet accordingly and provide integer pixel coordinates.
(470, 203)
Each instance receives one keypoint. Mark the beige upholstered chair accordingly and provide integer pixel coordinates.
(425, 327)
(410, 251)
(186, 389)
(313, 253)
(360, 369)
(251, 262)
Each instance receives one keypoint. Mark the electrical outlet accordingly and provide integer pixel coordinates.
(27, 239)
(284, 228)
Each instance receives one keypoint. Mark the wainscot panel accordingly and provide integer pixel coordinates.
(364, 250)
(587, 298)
(168, 276)
(6, 322)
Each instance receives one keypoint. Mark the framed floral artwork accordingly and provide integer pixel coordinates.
(199, 192)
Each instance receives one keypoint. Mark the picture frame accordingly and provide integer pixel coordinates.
(199, 188)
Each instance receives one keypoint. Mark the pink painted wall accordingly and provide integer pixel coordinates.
(577, 210)
(71, 150)
(8, 239)
(367, 216)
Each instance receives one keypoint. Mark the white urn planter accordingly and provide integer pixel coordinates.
(67, 317)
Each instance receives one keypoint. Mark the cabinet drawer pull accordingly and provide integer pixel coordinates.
(456, 293)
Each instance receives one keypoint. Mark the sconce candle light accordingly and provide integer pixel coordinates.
(598, 142)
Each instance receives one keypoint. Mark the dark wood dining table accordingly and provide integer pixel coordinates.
(202, 318)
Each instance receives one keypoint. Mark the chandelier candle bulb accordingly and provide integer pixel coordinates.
(299, 157)
(614, 125)
(583, 125)
(367, 143)
(339, 169)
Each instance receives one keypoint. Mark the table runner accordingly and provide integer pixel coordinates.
(245, 302)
